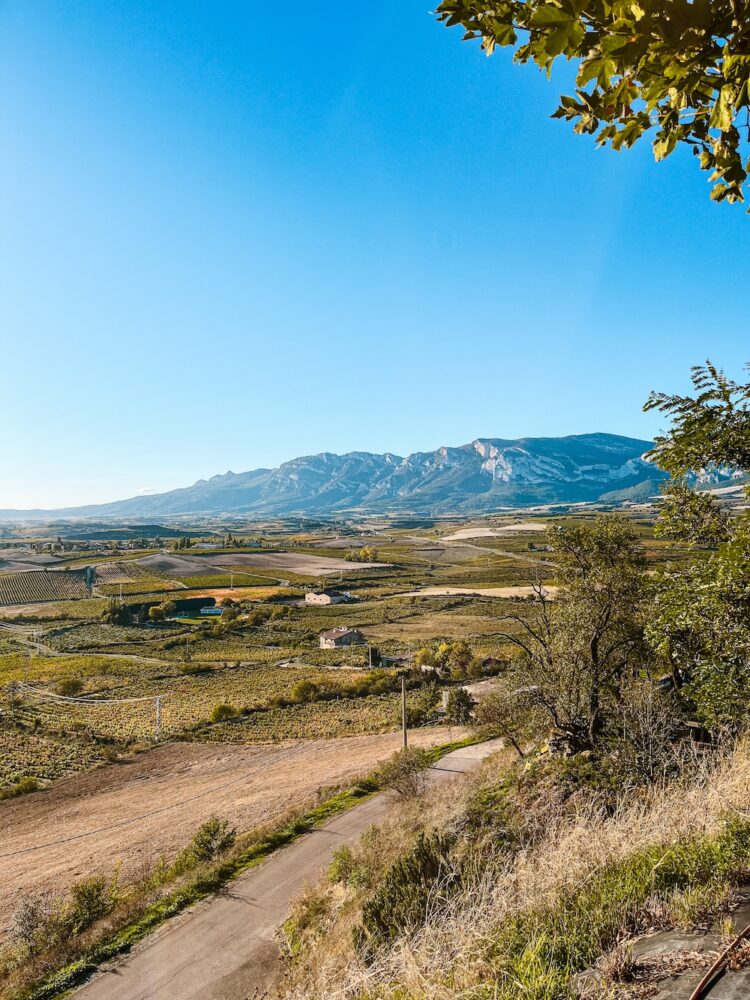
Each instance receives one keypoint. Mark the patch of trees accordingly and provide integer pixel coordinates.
(449, 659)
(587, 665)
(367, 554)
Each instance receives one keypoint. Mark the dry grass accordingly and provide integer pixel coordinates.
(452, 956)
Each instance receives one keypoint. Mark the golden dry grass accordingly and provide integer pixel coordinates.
(450, 957)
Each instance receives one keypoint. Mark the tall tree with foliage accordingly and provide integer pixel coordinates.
(578, 650)
(677, 69)
(700, 622)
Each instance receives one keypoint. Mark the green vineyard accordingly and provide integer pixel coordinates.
(39, 586)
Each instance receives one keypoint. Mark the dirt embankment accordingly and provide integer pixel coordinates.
(135, 811)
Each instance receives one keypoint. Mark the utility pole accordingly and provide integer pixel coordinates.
(403, 710)
(369, 655)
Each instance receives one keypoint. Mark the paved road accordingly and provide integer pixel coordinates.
(225, 948)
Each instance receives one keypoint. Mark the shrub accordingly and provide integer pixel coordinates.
(304, 691)
(212, 838)
(222, 712)
(460, 706)
(404, 772)
(342, 864)
(399, 906)
(22, 787)
(70, 687)
(31, 920)
(90, 900)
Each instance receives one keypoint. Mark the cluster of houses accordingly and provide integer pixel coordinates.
(334, 638)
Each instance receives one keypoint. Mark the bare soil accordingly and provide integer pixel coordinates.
(176, 565)
(292, 562)
(506, 529)
(133, 812)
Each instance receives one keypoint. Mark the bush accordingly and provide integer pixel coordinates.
(22, 787)
(460, 706)
(404, 772)
(423, 877)
(304, 691)
(342, 865)
(31, 921)
(70, 687)
(211, 839)
(90, 900)
(222, 712)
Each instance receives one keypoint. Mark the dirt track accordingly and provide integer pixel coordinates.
(225, 948)
(135, 811)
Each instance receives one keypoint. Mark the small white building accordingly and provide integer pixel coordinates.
(326, 596)
(338, 638)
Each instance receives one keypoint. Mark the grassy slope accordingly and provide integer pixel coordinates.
(526, 912)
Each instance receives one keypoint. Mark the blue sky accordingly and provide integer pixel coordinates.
(232, 236)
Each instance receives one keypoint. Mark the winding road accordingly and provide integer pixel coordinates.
(225, 948)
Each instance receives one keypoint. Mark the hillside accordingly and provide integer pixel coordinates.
(481, 476)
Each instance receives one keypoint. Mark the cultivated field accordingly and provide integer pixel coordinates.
(486, 532)
(40, 585)
(134, 812)
(499, 592)
(292, 562)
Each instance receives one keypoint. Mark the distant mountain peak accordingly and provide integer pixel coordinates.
(482, 476)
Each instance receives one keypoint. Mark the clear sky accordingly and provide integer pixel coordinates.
(234, 233)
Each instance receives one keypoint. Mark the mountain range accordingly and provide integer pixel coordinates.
(487, 474)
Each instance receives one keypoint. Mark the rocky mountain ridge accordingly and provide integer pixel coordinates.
(484, 475)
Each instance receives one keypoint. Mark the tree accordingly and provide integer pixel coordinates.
(422, 706)
(679, 69)
(689, 516)
(156, 614)
(700, 625)
(425, 657)
(577, 650)
(700, 621)
(454, 657)
(709, 429)
(117, 613)
(460, 706)
(509, 713)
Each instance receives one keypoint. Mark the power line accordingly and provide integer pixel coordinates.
(283, 755)
(52, 696)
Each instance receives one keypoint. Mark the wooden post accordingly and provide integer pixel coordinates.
(403, 710)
